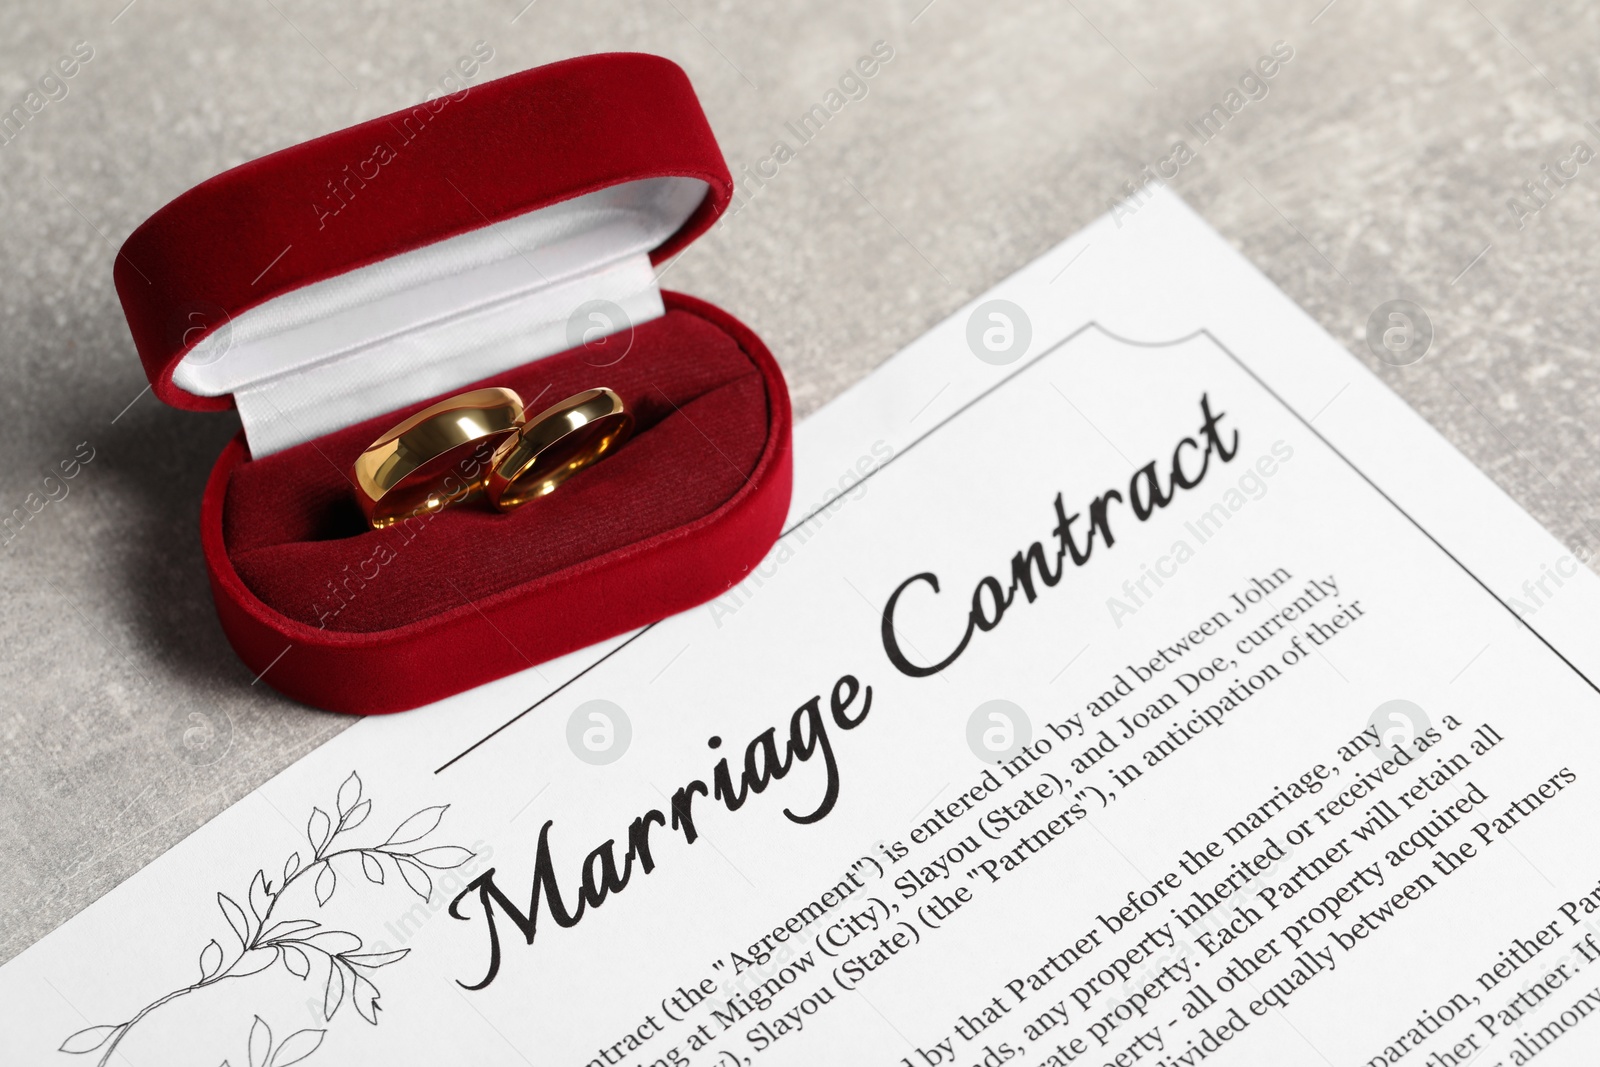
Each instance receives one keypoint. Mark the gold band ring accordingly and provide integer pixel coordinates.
(556, 444)
(437, 457)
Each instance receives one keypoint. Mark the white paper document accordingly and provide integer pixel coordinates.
(1139, 682)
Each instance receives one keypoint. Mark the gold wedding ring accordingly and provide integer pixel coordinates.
(556, 444)
(437, 457)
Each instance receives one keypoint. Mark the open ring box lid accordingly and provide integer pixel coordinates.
(503, 235)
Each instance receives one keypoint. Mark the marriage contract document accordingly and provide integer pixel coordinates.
(1138, 681)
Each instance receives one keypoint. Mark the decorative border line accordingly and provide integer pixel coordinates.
(984, 395)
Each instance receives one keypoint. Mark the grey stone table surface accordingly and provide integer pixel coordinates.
(1385, 160)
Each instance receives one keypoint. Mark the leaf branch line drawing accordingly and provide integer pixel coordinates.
(304, 945)
(292, 1049)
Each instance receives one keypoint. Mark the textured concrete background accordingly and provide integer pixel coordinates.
(1379, 166)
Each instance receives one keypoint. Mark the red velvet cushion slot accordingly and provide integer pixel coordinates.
(702, 414)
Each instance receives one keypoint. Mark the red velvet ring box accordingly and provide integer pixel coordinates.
(489, 237)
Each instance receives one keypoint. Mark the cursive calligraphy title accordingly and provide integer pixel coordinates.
(1148, 492)
(769, 757)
